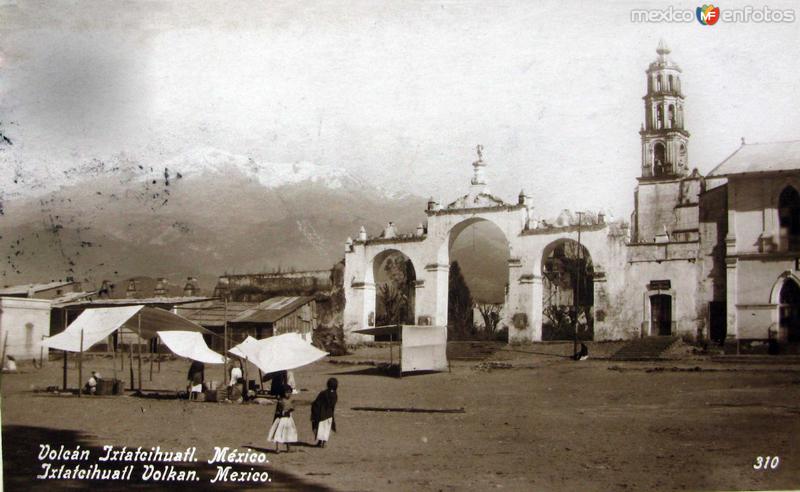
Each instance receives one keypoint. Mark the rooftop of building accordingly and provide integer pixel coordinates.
(767, 157)
(214, 314)
(24, 289)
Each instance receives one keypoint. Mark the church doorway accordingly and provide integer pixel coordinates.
(661, 315)
(790, 311)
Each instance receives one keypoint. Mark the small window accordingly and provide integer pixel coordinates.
(660, 166)
(789, 218)
(660, 117)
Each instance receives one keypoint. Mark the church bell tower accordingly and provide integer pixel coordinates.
(664, 139)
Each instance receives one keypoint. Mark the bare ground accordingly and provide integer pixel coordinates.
(532, 420)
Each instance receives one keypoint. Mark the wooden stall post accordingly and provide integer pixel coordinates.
(151, 356)
(65, 371)
(64, 327)
(225, 344)
(139, 349)
(113, 357)
(130, 363)
(80, 366)
(41, 353)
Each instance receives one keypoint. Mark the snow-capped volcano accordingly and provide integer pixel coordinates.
(26, 179)
(270, 174)
(201, 213)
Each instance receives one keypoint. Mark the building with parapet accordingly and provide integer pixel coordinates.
(706, 258)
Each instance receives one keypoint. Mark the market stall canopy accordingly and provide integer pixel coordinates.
(97, 324)
(383, 330)
(423, 348)
(280, 353)
(190, 344)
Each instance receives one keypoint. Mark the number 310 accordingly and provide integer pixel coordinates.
(766, 462)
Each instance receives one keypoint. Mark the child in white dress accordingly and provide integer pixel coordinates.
(283, 429)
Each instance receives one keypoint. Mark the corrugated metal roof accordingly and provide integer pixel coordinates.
(25, 288)
(214, 314)
(133, 302)
(761, 158)
(71, 297)
(273, 309)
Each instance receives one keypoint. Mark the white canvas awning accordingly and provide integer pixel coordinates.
(97, 324)
(280, 353)
(423, 348)
(190, 344)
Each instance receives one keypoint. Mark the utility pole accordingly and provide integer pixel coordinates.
(577, 290)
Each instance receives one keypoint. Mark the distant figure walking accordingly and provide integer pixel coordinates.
(583, 354)
(283, 429)
(322, 421)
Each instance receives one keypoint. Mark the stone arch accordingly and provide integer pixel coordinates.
(443, 255)
(774, 295)
(567, 273)
(444, 262)
(789, 312)
(396, 295)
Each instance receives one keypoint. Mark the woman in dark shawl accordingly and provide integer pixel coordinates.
(279, 383)
(322, 421)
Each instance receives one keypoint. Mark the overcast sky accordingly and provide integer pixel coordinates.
(399, 92)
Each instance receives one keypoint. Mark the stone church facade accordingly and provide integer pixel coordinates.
(702, 257)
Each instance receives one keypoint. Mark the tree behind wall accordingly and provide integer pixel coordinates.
(395, 296)
(459, 305)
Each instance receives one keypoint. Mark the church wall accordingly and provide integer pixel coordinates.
(655, 207)
(687, 313)
(756, 314)
(754, 205)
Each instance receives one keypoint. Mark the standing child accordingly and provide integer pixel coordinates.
(283, 429)
(322, 421)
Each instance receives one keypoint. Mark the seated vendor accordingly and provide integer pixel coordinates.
(91, 385)
(10, 364)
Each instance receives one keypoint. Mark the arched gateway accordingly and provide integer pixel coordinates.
(529, 239)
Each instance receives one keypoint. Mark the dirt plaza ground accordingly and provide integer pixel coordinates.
(531, 420)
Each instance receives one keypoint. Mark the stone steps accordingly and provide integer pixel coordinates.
(757, 359)
(471, 350)
(648, 348)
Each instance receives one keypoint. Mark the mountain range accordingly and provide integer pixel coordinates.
(200, 214)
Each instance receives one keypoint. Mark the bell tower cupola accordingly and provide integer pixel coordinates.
(664, 137)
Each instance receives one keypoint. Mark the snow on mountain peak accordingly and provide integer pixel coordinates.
(270, 175)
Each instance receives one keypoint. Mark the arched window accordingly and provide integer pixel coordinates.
(670, 86)
(682, 155)
(660, 116)
(790, 311)
(671, 113)
(660, 167)
(789, 218)
(658, 83)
